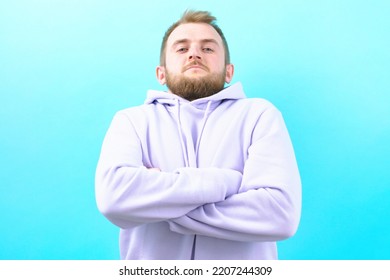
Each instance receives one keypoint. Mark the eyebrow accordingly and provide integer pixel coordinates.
(182, 41)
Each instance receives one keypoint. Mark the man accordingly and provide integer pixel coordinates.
(200, 171)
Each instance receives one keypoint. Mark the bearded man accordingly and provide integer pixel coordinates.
(199, 171)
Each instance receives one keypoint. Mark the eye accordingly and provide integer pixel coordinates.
(181, 50)
(208, 50)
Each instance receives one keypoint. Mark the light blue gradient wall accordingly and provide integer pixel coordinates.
(67, 66)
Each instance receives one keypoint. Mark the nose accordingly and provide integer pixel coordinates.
(194, 54)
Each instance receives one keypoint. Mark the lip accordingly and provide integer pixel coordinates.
(196, 66)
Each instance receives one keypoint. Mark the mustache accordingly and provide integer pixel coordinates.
(195, 63)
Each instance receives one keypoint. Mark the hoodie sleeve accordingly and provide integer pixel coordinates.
(129, 194)
(268, 204)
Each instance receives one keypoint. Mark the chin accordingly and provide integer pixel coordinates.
(195, 76)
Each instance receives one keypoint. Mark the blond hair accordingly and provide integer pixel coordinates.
(191, 16)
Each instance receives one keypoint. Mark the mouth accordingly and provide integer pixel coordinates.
(195, 66)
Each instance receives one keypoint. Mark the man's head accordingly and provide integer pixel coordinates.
(194, 58)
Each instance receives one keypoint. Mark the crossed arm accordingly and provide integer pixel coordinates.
(261, 203)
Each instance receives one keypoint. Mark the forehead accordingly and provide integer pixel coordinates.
(194, 32)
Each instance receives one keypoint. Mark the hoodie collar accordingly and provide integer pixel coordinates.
(234, 91)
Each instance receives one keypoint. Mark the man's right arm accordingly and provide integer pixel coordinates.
(129, 194)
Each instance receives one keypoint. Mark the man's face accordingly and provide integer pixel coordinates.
(195, 62)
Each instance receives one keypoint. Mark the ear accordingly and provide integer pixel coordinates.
(229, 73)
(160, 74)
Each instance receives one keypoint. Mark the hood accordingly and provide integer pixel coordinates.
(191, 116)
(234, 91)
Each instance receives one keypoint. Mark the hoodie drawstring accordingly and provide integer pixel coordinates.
(183, 137)
(204, 120)
(179, 128)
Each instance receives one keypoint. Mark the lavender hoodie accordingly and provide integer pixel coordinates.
(229, 185)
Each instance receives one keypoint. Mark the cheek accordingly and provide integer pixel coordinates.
(216, 63)
(173, 60)
(173, 65)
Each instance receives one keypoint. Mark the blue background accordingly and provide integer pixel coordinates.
(67, 66)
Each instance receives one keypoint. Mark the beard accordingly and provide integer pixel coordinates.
(195, 88)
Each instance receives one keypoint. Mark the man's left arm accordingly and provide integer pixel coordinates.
(268, 204)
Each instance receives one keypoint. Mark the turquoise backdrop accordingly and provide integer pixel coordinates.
(66, 66)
